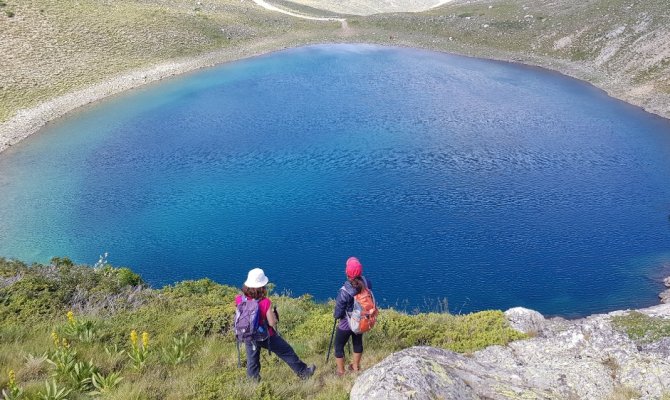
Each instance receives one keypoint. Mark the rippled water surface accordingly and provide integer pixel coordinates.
(491, 184)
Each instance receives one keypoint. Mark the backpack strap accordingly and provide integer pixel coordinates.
(344, 288)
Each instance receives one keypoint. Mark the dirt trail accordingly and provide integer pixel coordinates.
(343, 21)
(270, 7)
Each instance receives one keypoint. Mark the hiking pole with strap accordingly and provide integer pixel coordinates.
(332, 335)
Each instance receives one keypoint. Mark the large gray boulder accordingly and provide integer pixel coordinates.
(526, 320)
(420, 373)
(580, 359)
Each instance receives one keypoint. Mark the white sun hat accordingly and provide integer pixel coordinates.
(256, 279)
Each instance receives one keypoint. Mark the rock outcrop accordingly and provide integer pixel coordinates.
(527, 321)
(665, 295)
(580, 359)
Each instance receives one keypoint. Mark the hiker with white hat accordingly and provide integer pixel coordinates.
(256, 326)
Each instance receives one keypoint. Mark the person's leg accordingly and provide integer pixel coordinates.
(253, 361)
(341, 338)
(286, 353)
(357, 341)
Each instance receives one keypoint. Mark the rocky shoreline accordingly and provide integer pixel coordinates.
(665, 295)
(589, 358)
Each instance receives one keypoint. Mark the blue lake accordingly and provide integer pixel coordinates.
(487, 183)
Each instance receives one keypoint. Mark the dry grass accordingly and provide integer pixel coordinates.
(54, 47)
(623, 392)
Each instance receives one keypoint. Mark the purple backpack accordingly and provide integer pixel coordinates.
(247, 322)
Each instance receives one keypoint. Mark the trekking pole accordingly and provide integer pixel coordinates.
(239, 362)
(332, 335)
(276, 327)
(274, 309)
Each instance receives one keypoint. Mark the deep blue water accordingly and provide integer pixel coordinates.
(491, 184)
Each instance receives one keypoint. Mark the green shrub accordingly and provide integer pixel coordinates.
(226, 384)
(94, 355)
(61, 262)
(77, 329)
(13, 391)
(104, 384)
(128, 277)
(180, 351)
(462, 333)
(641, 327)
(54, 392)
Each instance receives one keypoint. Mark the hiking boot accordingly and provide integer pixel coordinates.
(308, 372)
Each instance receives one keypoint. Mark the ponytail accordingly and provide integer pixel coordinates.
(357, 283)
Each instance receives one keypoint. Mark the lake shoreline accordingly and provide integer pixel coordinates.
(27, 122)
(114, 158)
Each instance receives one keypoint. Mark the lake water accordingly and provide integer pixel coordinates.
(490, 184)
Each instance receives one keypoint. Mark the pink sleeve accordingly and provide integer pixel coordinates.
(238, 299)
(264, 306)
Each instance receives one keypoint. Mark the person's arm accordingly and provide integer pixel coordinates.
(271, 317)
(341, 304)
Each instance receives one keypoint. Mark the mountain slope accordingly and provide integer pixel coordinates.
(52, 49)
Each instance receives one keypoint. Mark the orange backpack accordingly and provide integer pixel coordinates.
(364, 315)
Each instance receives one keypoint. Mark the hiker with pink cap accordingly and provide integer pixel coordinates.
(256, 327)
(356, 310)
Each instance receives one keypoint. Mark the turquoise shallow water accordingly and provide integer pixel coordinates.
(491, 184)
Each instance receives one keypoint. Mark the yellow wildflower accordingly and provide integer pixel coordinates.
(12, 378)
(145, 339)
(133, 337)
(66, 345)
(54, 336)
(70, 317)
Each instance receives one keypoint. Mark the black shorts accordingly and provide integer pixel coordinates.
(342, 337)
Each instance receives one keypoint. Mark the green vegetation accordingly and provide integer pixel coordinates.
(641, 327)
(69, 331)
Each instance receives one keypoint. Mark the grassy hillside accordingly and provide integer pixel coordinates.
(71, 327)
(50, 48)
(621, 46)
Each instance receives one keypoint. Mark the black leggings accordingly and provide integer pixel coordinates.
(342, 337)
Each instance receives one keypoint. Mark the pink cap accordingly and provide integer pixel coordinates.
(354, 268)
